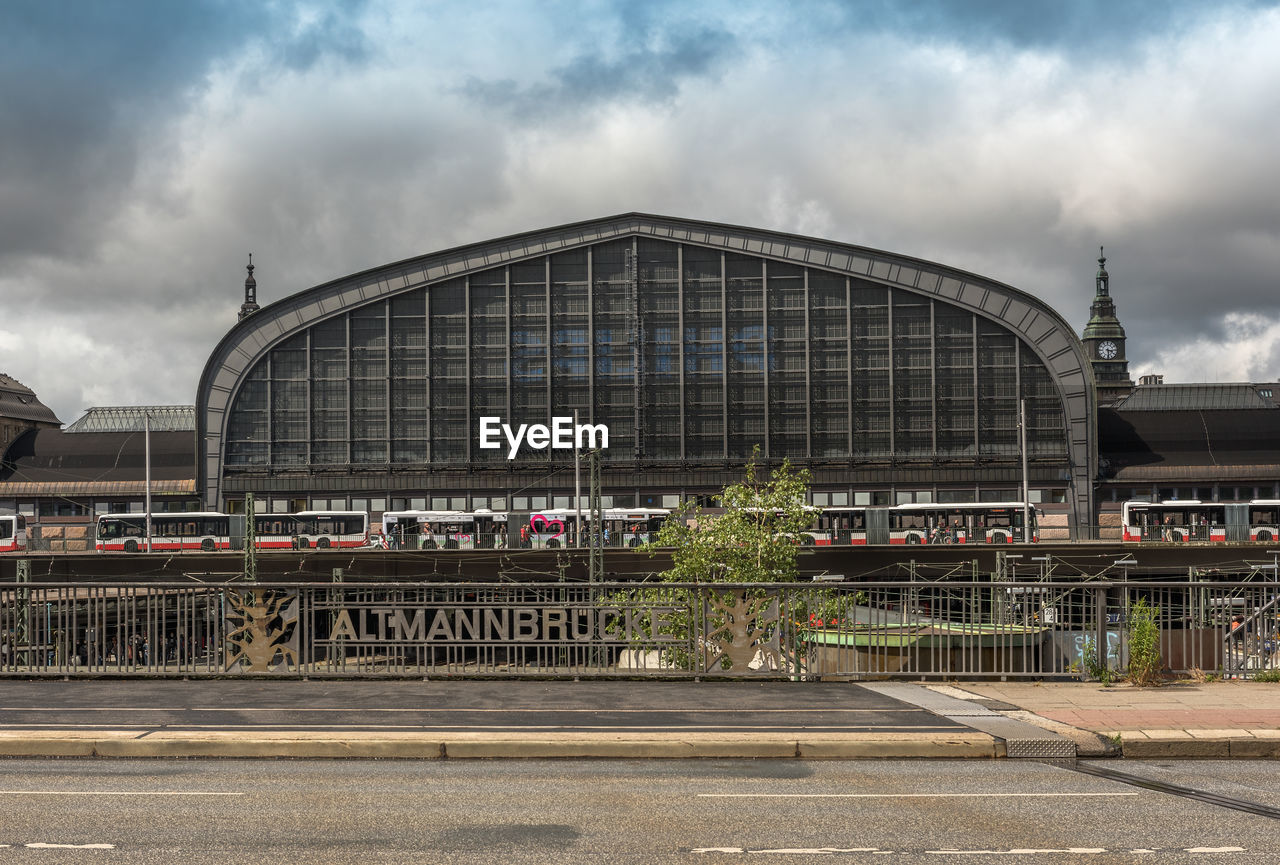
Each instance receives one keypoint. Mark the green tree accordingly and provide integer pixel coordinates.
(755, 540)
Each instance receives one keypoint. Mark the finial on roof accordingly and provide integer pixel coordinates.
(250, 305)
(1103, 280)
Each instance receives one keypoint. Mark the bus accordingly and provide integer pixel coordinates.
(311, 530)
(931, 523)
(13, 533)
(964, 523)
(450, 530)
(619, 527)
(210, 531)
(840, 526)
(170, 532)
(1178, 521)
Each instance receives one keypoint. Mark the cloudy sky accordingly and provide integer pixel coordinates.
(148, 146)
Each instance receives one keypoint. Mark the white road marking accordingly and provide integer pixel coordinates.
(900, 795)
(815, 850)
(1214, 849)
(110, 793)
(1021, 851)
(37, 845)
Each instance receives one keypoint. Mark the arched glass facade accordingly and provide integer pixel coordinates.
(687, 354)
(692, 342)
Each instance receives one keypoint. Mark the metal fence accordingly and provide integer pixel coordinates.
(868, 630)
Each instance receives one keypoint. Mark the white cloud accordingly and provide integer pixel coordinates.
(1248, 351)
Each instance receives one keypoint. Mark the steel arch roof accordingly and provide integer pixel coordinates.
(1043, 329)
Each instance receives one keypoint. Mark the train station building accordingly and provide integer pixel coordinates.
(891, 379)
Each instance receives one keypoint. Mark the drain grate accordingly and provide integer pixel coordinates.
(1174, 790)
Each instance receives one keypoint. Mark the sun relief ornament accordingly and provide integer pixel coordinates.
(262, 633)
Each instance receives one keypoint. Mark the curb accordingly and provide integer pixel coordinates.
(960, 745)
(1142, 746)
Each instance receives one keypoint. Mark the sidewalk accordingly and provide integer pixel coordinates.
(638, 720)
(1178, 719)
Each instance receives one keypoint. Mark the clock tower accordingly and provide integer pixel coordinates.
(1104, 341)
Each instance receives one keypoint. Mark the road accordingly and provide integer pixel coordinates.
(355, 811)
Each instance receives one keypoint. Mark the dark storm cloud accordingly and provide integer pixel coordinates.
(89, 84)
(648, 74)
(1082, 27)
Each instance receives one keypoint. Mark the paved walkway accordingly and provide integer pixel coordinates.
(505, 719)
(1182, 719)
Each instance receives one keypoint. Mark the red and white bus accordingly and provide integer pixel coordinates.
(838, 526)
(1177, 521)
(318, 530)
(449, 530)
(955, 523)
(1264, 520)
(209, 531)
(13, 533)
(170, 532)
(619, 528)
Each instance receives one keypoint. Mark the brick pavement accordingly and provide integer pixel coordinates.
(1226, 718)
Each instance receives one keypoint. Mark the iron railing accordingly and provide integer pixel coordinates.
(862, 630)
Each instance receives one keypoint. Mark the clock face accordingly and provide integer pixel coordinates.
(1107, 350)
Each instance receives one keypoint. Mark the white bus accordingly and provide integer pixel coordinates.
(170, 532)
(211, 531)
(321, 530)
(13, 533)
(619, 527)
(449, 530)
(932, 523)
(1178, 521)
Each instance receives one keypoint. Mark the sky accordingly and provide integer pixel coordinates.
(149, 146)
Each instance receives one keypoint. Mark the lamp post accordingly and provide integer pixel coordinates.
(146, 435)
(1125, 563)
(577, 485)
(1026, 492)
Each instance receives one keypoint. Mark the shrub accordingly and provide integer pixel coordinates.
(1095, 662)
(1145, 664)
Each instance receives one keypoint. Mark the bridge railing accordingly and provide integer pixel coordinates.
(838, 630)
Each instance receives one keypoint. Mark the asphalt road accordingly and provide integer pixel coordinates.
(355, 811)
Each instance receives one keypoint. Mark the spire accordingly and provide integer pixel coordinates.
(1104, 281)
(250, 305)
